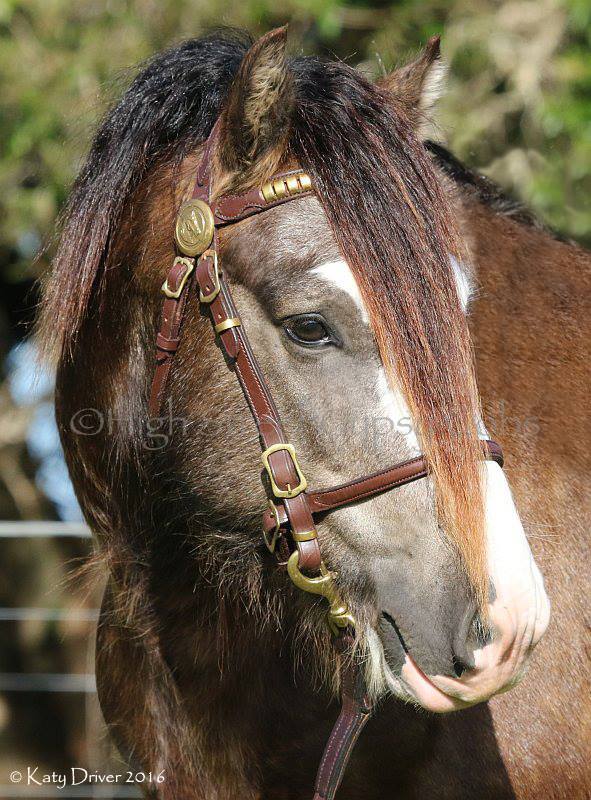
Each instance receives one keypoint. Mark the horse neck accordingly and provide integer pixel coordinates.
(531, 327)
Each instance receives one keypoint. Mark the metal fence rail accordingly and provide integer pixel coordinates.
(12, 792)
(52, 682)
(38, 529)
(40, 682)
(49, 614)
(46, 682)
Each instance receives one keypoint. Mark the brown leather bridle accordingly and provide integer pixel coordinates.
(288, 525)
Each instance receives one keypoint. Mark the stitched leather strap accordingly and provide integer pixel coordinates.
(324, 500)
(370, 485)
(237, 348)
(293, 513)
(177, 284)
(355, 713)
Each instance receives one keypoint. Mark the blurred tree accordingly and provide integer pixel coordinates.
(518, 105)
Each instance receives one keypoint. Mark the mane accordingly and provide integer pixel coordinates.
(387, 211)
(394, 226)
(168, 110)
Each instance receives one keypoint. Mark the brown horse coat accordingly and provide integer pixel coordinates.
(202, 671)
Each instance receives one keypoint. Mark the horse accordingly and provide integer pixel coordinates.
(364, 299)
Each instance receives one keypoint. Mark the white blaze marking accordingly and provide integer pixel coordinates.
(339, 273)
(396, 410)
(518, 583)
(392, 403)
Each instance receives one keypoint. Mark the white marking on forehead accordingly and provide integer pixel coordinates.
(392, 403)
(463, 282)
(339, 273)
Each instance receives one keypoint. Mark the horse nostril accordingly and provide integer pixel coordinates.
(459, 666)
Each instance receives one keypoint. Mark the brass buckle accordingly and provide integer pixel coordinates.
(174, 295)
(271, 540)
(211, 296)
(339, 615)
(289, 492)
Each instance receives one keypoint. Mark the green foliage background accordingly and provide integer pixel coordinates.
(518, 104)
(518, 107)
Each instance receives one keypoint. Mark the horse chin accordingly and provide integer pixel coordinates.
(400, 675)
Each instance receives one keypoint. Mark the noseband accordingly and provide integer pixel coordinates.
(289, 528)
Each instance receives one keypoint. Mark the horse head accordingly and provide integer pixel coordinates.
(355, 299)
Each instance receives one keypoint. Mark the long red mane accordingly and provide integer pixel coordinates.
(395, 227)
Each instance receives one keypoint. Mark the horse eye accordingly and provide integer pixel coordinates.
(308, 329)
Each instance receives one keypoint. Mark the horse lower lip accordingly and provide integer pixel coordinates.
(430, 696)
(419, 685)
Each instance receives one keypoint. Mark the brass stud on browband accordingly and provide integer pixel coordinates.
(194, 227)
(289, 186)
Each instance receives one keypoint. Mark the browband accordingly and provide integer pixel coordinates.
(288, 524)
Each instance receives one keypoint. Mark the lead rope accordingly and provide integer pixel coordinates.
(356, 710)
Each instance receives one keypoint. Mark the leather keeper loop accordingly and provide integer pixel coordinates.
(168, 345)
(227, 324)
(304, 536)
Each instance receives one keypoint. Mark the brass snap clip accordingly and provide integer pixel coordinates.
(339, 615)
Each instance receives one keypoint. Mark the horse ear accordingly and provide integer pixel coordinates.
(256, 120)
(419, 84)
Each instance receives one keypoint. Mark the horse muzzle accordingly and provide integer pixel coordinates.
(517, 623)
